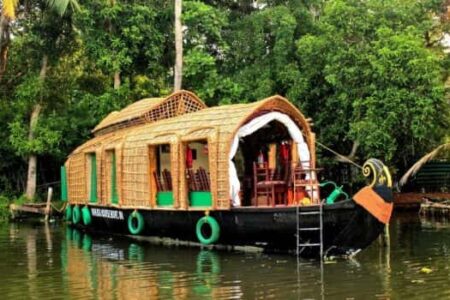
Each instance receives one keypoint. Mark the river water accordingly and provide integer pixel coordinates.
(39, 261)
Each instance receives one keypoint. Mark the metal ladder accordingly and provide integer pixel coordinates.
(318, 229)
(313, 186)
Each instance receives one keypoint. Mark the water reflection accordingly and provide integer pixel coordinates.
(50, 261)
(126, 270)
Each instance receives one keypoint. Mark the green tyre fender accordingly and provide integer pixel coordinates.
(77, 238)
(86, 242)
(205, 238)
(135, 222)
(69, 233)
(68, 215)
(207, 263)
(135, 252)
(76, 214)
(86, 215)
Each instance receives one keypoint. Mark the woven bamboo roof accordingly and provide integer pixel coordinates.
(150, 110)
(227, 119)
(130, 112)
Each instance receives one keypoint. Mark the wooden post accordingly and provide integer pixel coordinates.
(385, 238)
(49, 200)
(12, 208)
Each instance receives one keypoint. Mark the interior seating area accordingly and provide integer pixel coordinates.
(163, 181)
(270, 171)
(198, 180)
(269, 184)
(268, 167)
(161, 174)
(197, 173)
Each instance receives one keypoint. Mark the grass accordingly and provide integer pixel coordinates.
(4, 206)
(4, 209)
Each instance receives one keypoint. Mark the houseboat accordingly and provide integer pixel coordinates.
(235, 175)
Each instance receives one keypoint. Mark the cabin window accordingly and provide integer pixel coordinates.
(161, 174)
(92, 177)
(197, 173)
(111, 170)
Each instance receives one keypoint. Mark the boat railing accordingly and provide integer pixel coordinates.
(305, 183)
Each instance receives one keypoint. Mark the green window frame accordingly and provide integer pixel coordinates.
(114, 194)
(93, 183)
(63, 184)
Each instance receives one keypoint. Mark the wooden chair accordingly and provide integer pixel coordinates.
(159, 185)
(167, 178)
(264, 184)
(303, 182)
(282, 180)
(192, 180)
(203, 178)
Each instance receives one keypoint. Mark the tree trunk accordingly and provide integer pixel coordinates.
(32, 158)
(3, 25)
(351, 155)
(110, 30)
(116, 80)
(4, 43)
(178, 47)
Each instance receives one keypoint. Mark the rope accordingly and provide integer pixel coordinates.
(59, 210)
(340, 155)
(49, 183)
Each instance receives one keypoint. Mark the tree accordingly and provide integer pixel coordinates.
(206, 52)
(124, 39)
(376, 83)
(178, 47)
(8, 13)
(48, 36)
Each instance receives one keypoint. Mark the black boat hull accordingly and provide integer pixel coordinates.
(347, 227)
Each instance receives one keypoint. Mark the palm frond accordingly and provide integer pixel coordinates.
(419, 164)
(74, 5)
(9, 8)
(61, 6)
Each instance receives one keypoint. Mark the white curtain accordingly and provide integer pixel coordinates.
(255, 125)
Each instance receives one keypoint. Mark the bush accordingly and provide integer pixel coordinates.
(4, 208)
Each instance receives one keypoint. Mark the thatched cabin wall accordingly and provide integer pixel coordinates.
(78, 171)
(218, 125)
(76, 175)
(136, 170)
(135, 177)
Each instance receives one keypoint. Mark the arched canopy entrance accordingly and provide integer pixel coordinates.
(253, 126)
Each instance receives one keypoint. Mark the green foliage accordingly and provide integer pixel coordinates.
(262, 52)
(407, 96)
(47, 137)
(4, 208)
(123, 36)
(205, 52)
(367, 71)
(204, 26)
(20, 200)
(375, 81)
(64, 6)
(5, 202)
